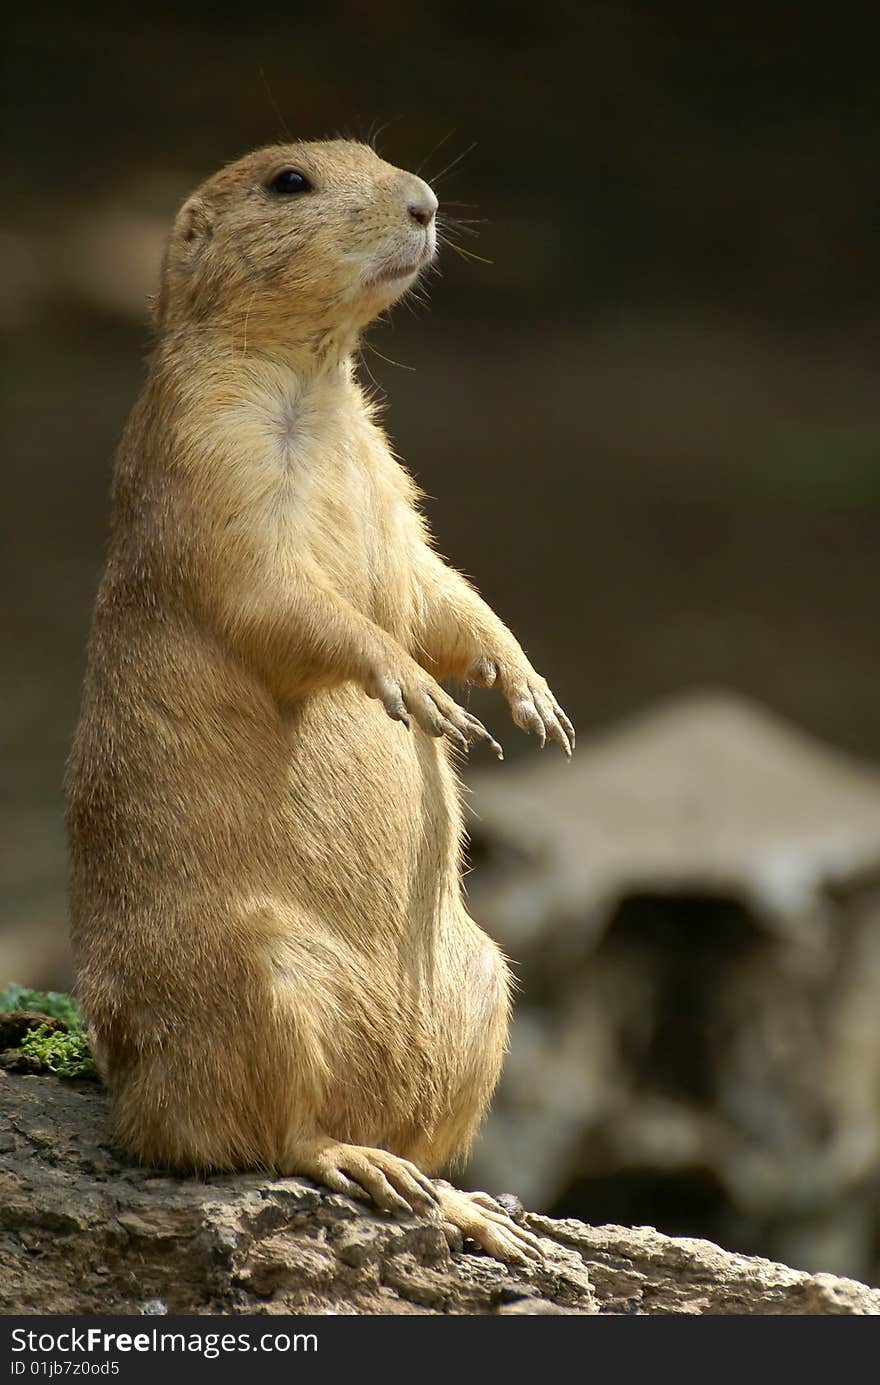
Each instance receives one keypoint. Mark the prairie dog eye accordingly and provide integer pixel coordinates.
(289, 182)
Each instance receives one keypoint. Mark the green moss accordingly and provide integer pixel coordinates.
(54, 1003)
(63, 1051)
(67, 1055)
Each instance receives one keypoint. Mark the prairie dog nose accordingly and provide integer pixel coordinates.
(421, 202)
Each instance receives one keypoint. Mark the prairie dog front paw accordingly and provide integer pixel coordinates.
(412, 693)
(532, 705)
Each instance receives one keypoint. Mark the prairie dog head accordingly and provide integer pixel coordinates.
(297, 242)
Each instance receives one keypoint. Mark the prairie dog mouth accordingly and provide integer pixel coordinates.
(403, 270)
(387, 275)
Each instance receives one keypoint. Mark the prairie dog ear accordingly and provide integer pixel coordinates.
(189, 239)
(195, 223)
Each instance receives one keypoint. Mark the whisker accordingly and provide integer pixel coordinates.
(453, 226)
(387, 359)
(366, 366)
(439, 145)
(274, 104)
(410, 300)
(373, 136)
(460, 250)
(449, 167)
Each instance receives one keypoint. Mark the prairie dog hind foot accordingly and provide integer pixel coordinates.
(397, 1186)
(393, 1183)
(479, 1218)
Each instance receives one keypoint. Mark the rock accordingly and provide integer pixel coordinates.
(706, 794)
(14, 1024)
(83, 1233)
(693, 909)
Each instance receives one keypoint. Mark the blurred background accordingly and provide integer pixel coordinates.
(647, 418)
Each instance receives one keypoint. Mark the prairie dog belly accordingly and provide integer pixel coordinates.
(403, 1034)
(373, 824)
(371, 818)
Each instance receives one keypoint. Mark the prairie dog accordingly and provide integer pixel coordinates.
(270, 940)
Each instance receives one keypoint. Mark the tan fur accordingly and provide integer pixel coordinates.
(270, 940)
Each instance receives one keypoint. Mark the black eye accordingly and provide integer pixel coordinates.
(289, 182)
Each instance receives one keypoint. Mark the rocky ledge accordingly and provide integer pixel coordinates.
(81, 1232)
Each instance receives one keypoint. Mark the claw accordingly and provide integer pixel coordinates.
(564, 723)
(455, 735)
(560, 737)
(494, 746)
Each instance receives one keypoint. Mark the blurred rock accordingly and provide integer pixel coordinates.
(694, 909)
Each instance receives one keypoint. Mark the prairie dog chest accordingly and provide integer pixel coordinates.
(325, 483)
